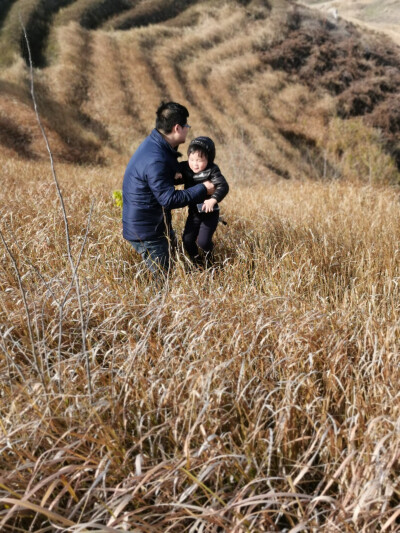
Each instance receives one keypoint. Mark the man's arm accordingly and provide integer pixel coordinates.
(161, 182)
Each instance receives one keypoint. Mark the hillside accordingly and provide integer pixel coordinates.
(259, 395)
(102, 68)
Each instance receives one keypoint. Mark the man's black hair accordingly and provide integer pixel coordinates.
(169, 114)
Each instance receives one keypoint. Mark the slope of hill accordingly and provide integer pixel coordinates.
(102, 68)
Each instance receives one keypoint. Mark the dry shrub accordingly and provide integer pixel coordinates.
(356, 151)
(386, 117)
(366, 95)
(362, 71)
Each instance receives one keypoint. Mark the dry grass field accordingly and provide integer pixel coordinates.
(261, 395)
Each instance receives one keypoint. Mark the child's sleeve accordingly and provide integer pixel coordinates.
(220, 183)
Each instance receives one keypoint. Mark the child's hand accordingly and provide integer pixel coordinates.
(178, 176)
(208, 205)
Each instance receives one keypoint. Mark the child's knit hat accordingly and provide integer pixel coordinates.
(206, 145)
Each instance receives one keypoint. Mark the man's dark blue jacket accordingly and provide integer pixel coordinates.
(148, 190)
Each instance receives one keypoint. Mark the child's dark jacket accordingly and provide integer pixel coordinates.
(212, 173)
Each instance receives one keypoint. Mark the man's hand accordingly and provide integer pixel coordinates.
(210, 187)
(208, 205)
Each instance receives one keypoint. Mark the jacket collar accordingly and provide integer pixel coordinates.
(159, 139)
(203, 174)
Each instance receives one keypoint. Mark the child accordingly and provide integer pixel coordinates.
(203, 218)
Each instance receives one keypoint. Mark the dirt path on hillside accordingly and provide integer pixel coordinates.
(377, 15)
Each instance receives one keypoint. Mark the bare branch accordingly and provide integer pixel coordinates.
(73, 267)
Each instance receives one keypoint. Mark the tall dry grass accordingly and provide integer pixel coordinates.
(258, 396)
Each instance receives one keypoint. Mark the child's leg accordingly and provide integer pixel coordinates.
(206, 231)
(190, 234)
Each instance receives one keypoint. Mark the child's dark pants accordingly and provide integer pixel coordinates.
(199, 227)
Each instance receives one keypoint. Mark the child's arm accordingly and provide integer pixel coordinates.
(220, 183)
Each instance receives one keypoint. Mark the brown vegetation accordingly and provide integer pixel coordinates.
(362, 71)
(256, 397)
(100, 88)
(261, 395)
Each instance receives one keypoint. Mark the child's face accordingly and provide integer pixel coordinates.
(197, 162)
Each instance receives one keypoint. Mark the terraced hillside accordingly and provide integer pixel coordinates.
(265, 78)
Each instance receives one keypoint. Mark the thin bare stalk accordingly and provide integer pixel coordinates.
(66, 225)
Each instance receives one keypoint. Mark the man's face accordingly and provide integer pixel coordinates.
(182, 132)
(197, 162)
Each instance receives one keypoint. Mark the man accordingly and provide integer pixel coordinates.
(148, 188)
